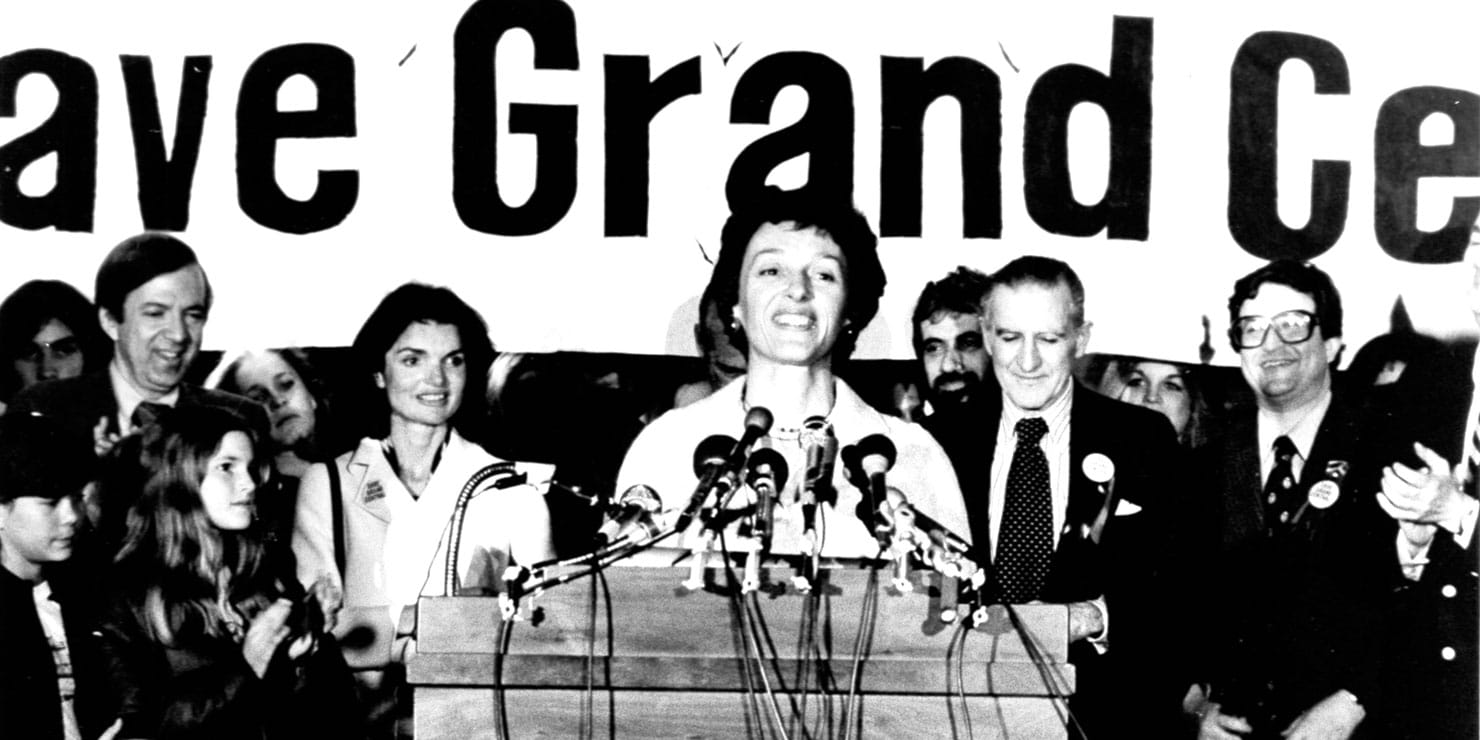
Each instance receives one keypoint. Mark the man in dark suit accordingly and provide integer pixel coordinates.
(153, 301)
(1289, 605)
(1431, 668)
(1063, 490)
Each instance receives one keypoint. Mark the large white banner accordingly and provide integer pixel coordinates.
(566, 167)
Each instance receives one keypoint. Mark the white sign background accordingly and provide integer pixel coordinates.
(572, 288)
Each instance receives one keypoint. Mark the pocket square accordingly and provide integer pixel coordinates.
(1126, 508)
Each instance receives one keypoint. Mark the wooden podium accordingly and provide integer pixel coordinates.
(677, 664)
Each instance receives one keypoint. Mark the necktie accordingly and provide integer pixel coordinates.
(1026, 538)
(146, 413)
(1279, 496)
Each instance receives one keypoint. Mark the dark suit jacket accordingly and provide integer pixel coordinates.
(1294, 616)
(1131, 689)
(1430, 677)
(76, 404)
(30, 706)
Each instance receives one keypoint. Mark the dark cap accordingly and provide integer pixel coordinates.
(40, 458)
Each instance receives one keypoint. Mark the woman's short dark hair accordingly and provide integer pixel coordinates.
(29, 308)
(833, 217)
(420, 303)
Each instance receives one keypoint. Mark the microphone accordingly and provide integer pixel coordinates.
(719, 469)
(937, 547)
(765, 473)
(633, 510)
(903, 515)
(822, 450)
(866, 464)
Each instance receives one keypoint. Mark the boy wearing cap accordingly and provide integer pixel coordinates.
(48, 688)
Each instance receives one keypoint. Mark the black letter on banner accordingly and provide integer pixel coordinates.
(1402, 160)
(475, 190)
(907, 91)
(164, 181)
(1253, 149)
(71, 132)
(259, 125)
(632, 100)
(1125, 96)
(825, 132)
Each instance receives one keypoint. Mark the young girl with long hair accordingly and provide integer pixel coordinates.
(208, 634)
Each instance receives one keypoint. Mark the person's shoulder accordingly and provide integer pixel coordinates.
(61, 394)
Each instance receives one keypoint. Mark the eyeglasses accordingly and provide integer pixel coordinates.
(62, 349)
(1292, 327)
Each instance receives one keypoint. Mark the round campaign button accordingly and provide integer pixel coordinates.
(1323, 494)
(1098, 468)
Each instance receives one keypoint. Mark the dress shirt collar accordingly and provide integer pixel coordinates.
(129, 397)
(1302, 433)
(1055, 415)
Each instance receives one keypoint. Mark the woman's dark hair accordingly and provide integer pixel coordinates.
(832, 217)
(31, 307)
(170, 546)
(420, 303)
(326, 441)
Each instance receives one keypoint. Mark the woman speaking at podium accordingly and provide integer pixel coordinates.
(797, 279)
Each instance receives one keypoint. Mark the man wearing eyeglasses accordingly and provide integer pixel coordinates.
(1289, 508)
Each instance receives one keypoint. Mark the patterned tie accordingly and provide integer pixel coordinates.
(1025, 543)
(1280, 500)
(147, 413)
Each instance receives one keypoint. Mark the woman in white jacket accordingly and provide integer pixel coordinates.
(383, 538)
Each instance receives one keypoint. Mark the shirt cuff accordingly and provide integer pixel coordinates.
(1411, 559)
(1101, 642)
(1464, 529)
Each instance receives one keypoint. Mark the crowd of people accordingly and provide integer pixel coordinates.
(243, 558)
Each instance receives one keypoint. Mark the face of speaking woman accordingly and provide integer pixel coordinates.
(425, 374)
(792, 294)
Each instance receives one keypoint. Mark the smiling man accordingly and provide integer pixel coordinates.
(1291, 495)
(1065, 491)
(153, 300)
(948, 337)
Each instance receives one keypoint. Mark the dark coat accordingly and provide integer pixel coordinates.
(1131, 690)
(1293, 616)
(202, 687)
(30, 705)
(76, 404)
(1430, 677)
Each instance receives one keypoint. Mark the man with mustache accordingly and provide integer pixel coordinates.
(1288, 609)
(948, 338)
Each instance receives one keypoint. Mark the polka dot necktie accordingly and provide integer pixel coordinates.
(1279, 490)
(1025, 539)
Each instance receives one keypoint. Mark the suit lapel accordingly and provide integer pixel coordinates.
(372, 480)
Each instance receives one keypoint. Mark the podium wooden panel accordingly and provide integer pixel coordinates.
(677, 666)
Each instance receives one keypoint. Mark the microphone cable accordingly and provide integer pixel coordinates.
(955, 662)
(863, 640)
(749, 631)
(1052, 679)
(500, 701)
